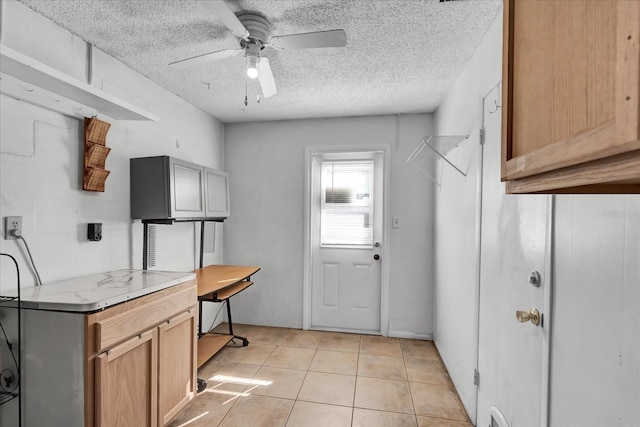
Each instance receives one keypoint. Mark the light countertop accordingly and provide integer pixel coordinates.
(98, 291)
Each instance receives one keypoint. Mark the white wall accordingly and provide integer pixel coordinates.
(456, 254)
(265, 161)
(595, 359)
(41, 164)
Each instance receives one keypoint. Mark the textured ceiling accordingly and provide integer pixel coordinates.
(401, 56)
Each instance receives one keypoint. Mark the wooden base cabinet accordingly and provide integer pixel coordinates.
(130, 365)
(571, 96)
(177, 358)
(145, 361)
(127, 383)
(148, 379)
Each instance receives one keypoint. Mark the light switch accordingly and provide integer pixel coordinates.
(396, 222)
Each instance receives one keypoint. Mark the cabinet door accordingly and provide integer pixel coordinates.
(126, 383)
(217, 193)
(187, 189)
(176, 364)
(571, 91)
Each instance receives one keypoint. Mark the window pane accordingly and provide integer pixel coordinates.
(347, 203)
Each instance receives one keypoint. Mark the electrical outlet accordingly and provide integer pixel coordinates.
(12, 223)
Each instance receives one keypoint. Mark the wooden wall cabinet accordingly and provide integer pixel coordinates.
(571, 96)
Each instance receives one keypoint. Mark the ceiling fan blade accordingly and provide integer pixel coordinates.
(221, 10)
(205, 58)
(265, 76)
(332, 38)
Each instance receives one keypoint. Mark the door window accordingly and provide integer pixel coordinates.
(346, 217)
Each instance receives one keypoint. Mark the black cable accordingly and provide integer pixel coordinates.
(217, 314)
(10, 349)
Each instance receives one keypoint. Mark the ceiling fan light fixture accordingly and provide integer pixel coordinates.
(254, 33)
(252, 67)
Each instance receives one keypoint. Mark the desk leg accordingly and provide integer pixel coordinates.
(200, 333)
(202, 384)
(245, 342)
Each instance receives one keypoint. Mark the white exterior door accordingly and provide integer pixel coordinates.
(346, 241)
(515, 241)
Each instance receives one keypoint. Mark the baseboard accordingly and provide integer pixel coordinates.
(410, 335)
(344, 330)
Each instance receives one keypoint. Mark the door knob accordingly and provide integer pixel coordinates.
(376, 257)
(532, 315)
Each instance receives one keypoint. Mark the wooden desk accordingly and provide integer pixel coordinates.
(218, 283)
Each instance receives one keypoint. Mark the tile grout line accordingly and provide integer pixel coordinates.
(303, 380)
(355, 385)
(404, 363)
(263, 366)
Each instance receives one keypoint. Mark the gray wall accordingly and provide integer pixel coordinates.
(265, 161)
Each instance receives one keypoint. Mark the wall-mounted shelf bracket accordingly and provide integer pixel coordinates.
(435, 150)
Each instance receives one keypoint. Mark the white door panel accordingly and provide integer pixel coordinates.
(345, 278)
(329, 286)
(364, 277)
(515, 241)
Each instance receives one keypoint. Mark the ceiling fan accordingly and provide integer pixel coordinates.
(253, 31)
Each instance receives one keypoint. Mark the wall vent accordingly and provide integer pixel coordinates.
(151, 246)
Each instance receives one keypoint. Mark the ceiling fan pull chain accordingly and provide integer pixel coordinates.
(246, 93)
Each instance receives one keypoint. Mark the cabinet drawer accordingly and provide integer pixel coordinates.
(111, 330)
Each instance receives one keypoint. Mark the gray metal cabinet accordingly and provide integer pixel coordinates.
(216, 193)
(166, 188)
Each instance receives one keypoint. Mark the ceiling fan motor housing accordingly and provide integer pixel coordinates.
(258, 26)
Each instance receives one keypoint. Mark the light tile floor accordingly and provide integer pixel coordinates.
(294, 378)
